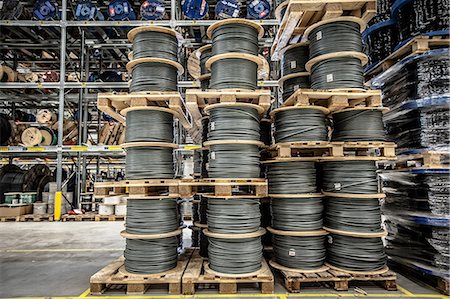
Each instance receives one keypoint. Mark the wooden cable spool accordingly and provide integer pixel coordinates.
(46, 116)
(8, 74)
(38, 136)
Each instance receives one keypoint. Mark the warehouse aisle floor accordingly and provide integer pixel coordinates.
(45, 259)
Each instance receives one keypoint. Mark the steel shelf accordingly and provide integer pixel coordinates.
(90, 149)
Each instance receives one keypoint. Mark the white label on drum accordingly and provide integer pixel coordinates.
(330, 78)
(291, 252)
(213, 155)
(337, 186)
(296, 87)
(1, 4)
(293, 64)
(212, 125)
(319, 35)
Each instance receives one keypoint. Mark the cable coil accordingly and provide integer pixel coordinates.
(234, 161)
(154, 76)
(294, 59)
(155, 44)
(337, 73)
(241, 38)
(149, 126)
(297, 214)
(234, 73)
(149, 163)
(295, 177)
(203, 210)
(236, 123)
(358, 125)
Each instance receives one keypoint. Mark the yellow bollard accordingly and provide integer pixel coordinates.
(57, 210)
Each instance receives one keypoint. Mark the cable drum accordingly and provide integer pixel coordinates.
(337, 73)
(294, 59)
(5, 129)
(149, 216)
(293, 83)
(358, 125)
(154, 76)
(353, 215)
(237, 215)
(297, 214)
(234, 161)
(351, 177)
(154, 44)
(151, 256)
(149, 163)
(234, 73)
(302, 124)
(149, 126)
(356, 254)
(203, 210)
(235, 37)
(236, 123)
(204, 56)
(295, 177)
(195, 206)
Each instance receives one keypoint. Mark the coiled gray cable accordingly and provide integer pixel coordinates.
(235, 256)
(149, 163)
(358, 125)
(149, 126)
(305, 252)
(291, 85)
(151, 255)
(297, 214)
(337, 73)
(237, 123)
(154, 76)
(355, 177)
(234, 161)
(355, 215)
(240, 38)
(148, 217)
(356, 254)
(293, 177)
(237, 215)
(332, 37)
(300, 125)
(294, 60)
(234, 73)
(204, 56)
(155, 44)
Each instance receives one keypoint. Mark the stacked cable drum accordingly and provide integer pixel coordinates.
(153, 222)
(204, 53)
(293, 69)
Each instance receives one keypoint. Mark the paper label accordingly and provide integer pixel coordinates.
(213, 155)
(330, 240)
(212, 125)
(337, 186)
(330, 78)
(296, 87)
(319, 35)
(255, 2)
(1, 4)
(291, 252)
(160, 9)
(293, 64)
(235, 13)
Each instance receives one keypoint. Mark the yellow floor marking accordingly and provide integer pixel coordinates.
(59, 250)
(404, 291)
(85, 293)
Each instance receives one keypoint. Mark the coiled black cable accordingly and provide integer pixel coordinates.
(337, 73)
(358, 125)
(353, 215)
(356, 254)
(241, 38)
(204, 84)
(204, 56)
(204, 243)
(234, 161)
(293, 177)
(154, 76)
(291, 85)
(149, 216)
(235, 256)
(149, 126)
(354, 177)
(237, 123)
(149, 163)
(297, 214)
(155, 44)
(294, 60)
(195, 211)
(299, 252)
(205, 162)
(305, 124)
(234, 73)
(237, 215)
(203, 210)
(336, 36)
(151, 256)
(265, 130)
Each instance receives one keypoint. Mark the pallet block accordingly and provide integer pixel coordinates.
(197, 274)
(150, 187)
(109, 217)
(81, 217)
(425, 160)
(111, 276)
(28, 217)
(224, 187)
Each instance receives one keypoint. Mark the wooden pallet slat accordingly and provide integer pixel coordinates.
(224, 187)
(424, 160)
(151, 187)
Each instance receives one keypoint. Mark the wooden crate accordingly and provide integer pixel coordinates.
(425, 160)
(224, 187)
(112, 103)
(112, 276)
(335, 100)
(198, 275)
(150, 187)
(416, 45)
(329, 150)
(300, 14)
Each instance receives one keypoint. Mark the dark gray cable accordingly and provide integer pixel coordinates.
(236, 123)
(149, 126)
(155, 44)
(337, 73)
(237, 215)
(234, 73)
(205, 162)
(234, 161)
(203, 210)
(300, 125)
(356, 254)
(353, 215)
(297, 214)
(235, 256)
(355, 177)
(305, 252)
(151, 255)
(195, 211)
(294, 60)
(294, 177)
(204, 84)
(149, 216)
(149, 163)
(204, 243)
(358, 125)
(339, 36)
(154, 76)
(265, 130)
(204, 56)
(291, 85)
(240, 38)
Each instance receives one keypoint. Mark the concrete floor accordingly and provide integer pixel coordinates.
(48, 259)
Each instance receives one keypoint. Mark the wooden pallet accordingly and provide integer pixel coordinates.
(340, 280)
(113, 276)
(198, 275)
(80, 217)
(151, 187)
(335, 100)
(416, 45)
(329, 150)
(425, 160)
(28, 217)
(109, 217)
(300, 14)
(112, 103)
(224, 187)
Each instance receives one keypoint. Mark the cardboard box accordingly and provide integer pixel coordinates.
(15, 210)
